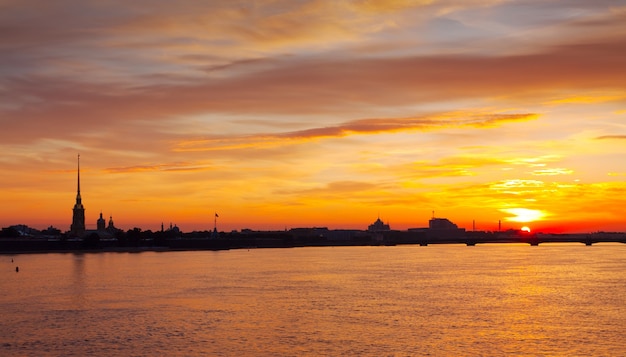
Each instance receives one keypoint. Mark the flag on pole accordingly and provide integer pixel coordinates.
(216, 214)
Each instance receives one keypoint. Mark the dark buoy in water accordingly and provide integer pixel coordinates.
(17, 269)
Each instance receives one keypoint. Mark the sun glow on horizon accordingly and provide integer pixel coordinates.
(524, 215)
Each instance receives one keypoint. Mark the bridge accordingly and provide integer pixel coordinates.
(534, 239)
(587, 239)
(471, 238)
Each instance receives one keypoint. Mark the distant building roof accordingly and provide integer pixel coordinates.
(378, 226)
(441, 223)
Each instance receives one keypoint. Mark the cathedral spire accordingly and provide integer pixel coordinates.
(78, 198)
(78, 190)
(78, 218)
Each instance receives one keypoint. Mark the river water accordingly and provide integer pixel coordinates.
(440, 300)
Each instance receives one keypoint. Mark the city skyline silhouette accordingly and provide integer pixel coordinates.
(439, 231)
(80, 228)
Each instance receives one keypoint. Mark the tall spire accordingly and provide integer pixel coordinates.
(78, 218)
(78, 181)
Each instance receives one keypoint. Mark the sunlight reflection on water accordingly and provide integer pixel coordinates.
(406, 300)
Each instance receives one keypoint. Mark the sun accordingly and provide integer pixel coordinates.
(525, 229)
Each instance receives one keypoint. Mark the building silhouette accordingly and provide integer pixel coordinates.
(441, 223)
(443, 228)
(378, 226)
(111, 227)
(101, 223)
(77, 229)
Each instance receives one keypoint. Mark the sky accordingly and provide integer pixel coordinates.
(278, 114)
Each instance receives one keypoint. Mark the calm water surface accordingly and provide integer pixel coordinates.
(448, 300)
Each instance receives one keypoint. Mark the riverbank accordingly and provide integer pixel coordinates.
(284, 240)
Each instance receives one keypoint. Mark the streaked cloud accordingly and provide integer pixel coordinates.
(180, 166)
(364, 126)
(611, 137)
(518, 186)
(590, 99)
(552, 172)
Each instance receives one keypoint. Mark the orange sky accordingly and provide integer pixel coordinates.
(281, 114)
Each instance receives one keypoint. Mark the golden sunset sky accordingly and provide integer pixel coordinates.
(282, 113)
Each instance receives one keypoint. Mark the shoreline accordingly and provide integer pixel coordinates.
(32, 246)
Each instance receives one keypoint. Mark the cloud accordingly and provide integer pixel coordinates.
(611, 137)
(69, 36)
(552, 172)
(336, 188)
(590, 99)
(341, 86)
(411, 174)
(179, 166)
(519, 187)
(536, 161)
(132, 87)
(363, 126)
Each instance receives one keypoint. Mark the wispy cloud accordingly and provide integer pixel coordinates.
(344, 189)
(552, 172)
(611, 137)
(518, 186)
(179, 166)
(356, 127)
